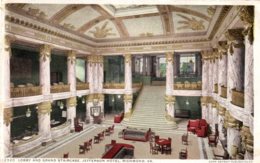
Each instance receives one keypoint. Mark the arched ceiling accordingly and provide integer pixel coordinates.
(106, 22)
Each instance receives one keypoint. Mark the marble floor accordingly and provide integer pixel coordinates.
(197, 147)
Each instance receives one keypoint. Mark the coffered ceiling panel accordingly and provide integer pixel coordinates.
(46, 10)
(144, 26)
(103, 30)
(80, 17)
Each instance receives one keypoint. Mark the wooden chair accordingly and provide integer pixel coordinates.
(168, 148)
(111, 129)
(107, 132)
(66, 155)
(225, 156)
(86, 145)
(213, 139)
(183, 154)
(156, 138)
(102, 135)
(96, 139)
(184, 139)
(153, 149)
(81, 149)
(90, 143)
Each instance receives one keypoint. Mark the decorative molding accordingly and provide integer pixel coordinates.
(72, 57)
(8, 116)
(247, 16)
(221, 110)
(222, 48)
(36, 13)
(45, 52)
(102, 32)
(235, 39)
(191, 23)
(211, 10)
(44, 107)
(230, 121)
(72, 102)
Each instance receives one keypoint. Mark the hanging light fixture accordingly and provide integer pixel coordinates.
(61, 105)
(113, 99)
(119, 96)
(28, 112)
(83, 100)
(187, 102)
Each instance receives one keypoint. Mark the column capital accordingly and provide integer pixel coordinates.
(45, 51)
(95, 59)
(128, 58)
(72, 56)
(44, 107)
(230, 121)
(128, 97)
(8, 116)
(8, 41)
(169, 57)
(221, 110)
(169, 99)
(72, 101)
(247, 17)
(247, 139)
(95, 97)
(222, 48)
(235, 39)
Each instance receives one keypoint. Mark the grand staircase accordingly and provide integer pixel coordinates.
(149, 110)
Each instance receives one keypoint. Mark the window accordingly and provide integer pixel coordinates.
(187, 65)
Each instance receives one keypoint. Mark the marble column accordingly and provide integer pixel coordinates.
(247, 143)
(5, 95)
(210, 75)
(205, 73)
(95, 100)
(235, 61)
(6, 128)
(90, 72)
(215, 68)
(128, 102)
(149, 65)
(100, 67)
(144, 66)
(214, 115)
(71, 67)
(44, 123)
(128, 74)
(222, 71)
(247, 16)
(221, 112)
(169, 98)
(169, 73)
(45, 58)
(71, 111)
(157, 67)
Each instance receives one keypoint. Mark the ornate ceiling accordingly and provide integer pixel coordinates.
(105, 23)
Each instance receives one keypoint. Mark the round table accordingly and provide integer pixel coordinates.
(162, 142)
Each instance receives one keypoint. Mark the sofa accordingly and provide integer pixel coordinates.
(136, 134)
(192, 125)
(118, 117)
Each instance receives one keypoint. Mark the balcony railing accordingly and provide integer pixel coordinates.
(82, 86)
(24, 91)
(223, 92)
(187, 85)
(238, 98)
(114, 85)
(215, 88)
(60, 88)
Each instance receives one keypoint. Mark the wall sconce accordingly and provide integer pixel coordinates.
(28, 112)
(83, 100)
(119, 96)
(60, 104)
(113, 99)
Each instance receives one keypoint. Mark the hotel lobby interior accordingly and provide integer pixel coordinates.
(111, 81)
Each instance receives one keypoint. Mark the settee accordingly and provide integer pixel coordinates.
(136, 134)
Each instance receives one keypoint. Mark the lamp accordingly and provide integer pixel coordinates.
(28, 112)
(119, 96)
(187, 102)
(113, 99)
(61, 105)
(83, 100)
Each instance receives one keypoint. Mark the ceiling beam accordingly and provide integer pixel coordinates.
(189, 11)
(90, 24)
(166, 17)
(65, 12)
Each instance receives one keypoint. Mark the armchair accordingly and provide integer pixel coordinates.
(78, 126)
(192, 125)
(183, 154)
(213, 139)
(202, 131)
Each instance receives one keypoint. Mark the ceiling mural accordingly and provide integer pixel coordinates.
(104, 29)
(117, 21)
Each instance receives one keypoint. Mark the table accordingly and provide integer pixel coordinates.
(162, 142)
